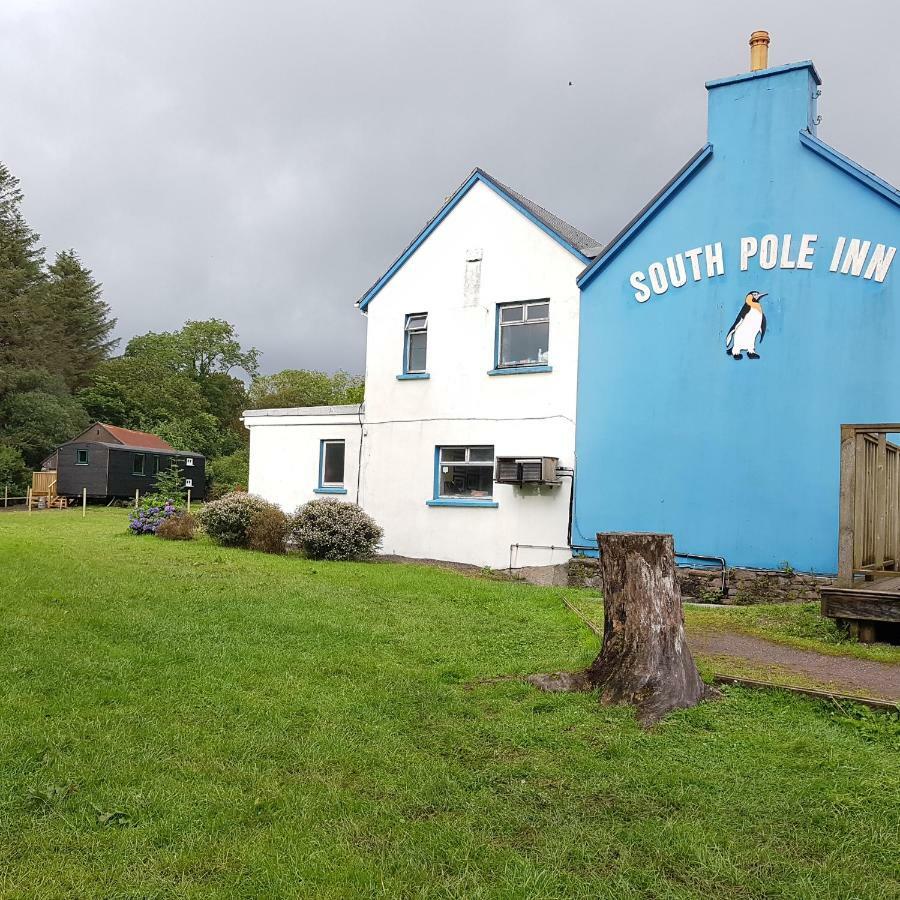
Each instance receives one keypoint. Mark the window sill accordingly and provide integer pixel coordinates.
(446, 501)
(329, 490)
(521, 370)
(413, 376)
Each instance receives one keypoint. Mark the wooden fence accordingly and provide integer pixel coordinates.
(870, 502)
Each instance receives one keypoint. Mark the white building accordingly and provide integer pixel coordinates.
(472, 357)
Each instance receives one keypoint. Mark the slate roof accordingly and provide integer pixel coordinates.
(575, 236)
(568, 235)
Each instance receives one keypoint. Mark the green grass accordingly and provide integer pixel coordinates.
(179, 720)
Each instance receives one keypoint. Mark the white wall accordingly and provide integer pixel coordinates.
(284, 456)
(459, 404)
(524, 414)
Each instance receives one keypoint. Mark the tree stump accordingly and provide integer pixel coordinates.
(644, 660)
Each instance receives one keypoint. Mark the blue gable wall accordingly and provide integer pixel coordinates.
(739, 458)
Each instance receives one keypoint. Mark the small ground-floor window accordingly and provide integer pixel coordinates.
(331, 464)
(137, 465)
(465, 472)
(81, 457)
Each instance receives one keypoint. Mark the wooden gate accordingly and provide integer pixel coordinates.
(870, 503)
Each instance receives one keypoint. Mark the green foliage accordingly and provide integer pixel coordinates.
(301, 387)
(228, 473)
(54, 329)
(13, 471)
(170, 484)
(37, 414)
(227, 520)
(280, 727)
(332, 529)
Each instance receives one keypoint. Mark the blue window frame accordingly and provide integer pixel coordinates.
(332, 456)
(463, 476)
(415, 345)
(522, 340)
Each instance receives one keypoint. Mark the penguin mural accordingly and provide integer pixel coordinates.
(749, 325)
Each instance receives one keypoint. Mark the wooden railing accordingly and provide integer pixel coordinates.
(870, 502)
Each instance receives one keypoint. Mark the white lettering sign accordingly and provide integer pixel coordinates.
(851, 256)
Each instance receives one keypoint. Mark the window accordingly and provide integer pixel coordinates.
(81, 457)
(189, 461)
(415, 343)
(465, 472)
(524, 334)
(331, 466)
(155, 465)
(188, 482)
(137, 464)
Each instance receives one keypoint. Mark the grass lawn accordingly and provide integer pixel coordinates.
(183, 720)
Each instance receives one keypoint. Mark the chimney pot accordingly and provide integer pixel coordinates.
(759, 50)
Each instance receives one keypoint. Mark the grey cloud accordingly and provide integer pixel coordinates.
(264, 162)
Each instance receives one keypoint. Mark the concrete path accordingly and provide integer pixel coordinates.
(840, 673)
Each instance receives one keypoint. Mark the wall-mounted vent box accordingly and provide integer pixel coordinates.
(526, 470)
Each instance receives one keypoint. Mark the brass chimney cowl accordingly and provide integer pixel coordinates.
(759, 50)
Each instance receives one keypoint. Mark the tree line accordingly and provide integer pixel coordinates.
(59, 370)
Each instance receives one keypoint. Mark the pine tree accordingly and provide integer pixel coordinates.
(22, 278)
(82, 323)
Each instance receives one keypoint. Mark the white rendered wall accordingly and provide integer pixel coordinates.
(525, 414)
(284, 456)
(459, 404)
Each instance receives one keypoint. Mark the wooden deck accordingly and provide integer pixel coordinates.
(864, 602)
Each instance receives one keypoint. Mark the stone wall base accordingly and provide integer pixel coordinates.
(743, 586)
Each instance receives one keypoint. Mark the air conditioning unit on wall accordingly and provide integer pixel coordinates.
(526, 470)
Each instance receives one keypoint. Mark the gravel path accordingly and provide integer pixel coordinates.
(840, 673)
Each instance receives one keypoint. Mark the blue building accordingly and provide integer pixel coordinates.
(748, 311)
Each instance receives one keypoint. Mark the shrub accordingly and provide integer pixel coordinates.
(177, 527)
(150, 515)
(331, 529)
(227, 474)
(227, 520)
(268, 530)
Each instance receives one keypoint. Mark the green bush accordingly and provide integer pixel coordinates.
(228, 474)
(332, 529)
(268, 530)
(178, 527)
(227, 520)
(13, 471)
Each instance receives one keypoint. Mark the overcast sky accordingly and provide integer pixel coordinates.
(264, 162)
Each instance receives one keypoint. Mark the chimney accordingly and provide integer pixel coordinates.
(759, 50)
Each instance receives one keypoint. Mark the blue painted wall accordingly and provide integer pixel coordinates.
(739, 458)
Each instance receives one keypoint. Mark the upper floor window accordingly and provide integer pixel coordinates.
(465, 472)
(189, 461)
(331, 469)
(137, 464)
(81, 457)
(524, 334)
(415, 343)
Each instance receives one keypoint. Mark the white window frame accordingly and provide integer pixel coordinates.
(407, 333)
(189, 461)
(325, 444)
(467, 463)
(525, 305)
